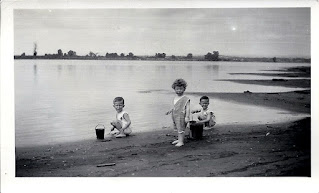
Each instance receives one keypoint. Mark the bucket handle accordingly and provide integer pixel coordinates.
(98, 125)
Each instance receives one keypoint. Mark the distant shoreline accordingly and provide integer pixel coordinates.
(177, 58)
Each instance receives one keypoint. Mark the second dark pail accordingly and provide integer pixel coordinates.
(99, 130)
(196, 129)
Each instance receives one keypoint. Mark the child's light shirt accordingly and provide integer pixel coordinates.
(177, 98)
(203, 115)
(120, 117)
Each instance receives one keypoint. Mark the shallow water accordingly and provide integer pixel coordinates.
(63, 100)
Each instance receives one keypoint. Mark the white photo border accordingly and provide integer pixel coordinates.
(10, 183)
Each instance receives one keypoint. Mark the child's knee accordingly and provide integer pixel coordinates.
(127, 131)
(116, 124)
(212, 124)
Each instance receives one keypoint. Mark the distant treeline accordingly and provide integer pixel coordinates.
(264, 59)
(214, 56)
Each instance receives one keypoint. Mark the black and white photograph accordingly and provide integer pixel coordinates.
(201, 92)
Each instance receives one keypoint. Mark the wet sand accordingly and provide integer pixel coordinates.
(296, 101)
(293, 72)
(293, 83)
(232, 150)
(281, 149)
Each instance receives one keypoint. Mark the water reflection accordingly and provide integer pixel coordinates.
(216, 71)
(59, 68)
(72, 68)
(131, 68)
(160, 68)
(189, 67)
(35, 72)
(213, 70)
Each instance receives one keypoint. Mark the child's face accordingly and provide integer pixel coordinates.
(179, 90)
(118, 106)
(204, 103)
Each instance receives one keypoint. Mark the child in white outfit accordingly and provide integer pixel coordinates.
(205, 115)
(180, 111)
(122, 122)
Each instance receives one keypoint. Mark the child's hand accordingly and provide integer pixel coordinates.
(188, 125)
(168, 112)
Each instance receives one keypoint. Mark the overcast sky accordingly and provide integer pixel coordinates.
(241, 32)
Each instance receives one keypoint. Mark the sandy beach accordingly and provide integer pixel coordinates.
(280, 149)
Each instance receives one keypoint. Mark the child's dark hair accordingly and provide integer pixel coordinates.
(179, 82)
(118, 99)
(204, 97)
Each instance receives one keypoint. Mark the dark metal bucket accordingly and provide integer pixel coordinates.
(99, 131)
(196, 129)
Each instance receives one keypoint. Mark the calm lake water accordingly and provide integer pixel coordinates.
(63, 100)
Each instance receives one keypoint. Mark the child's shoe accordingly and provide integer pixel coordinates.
(114, 132)
(175, 142)
(180, 139)
(120, 135)
(179, 144)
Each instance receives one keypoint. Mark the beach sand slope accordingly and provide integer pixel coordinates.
(229, 150)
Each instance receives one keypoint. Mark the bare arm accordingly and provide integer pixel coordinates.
(195, 111)
(128, 120)
(188, 112)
